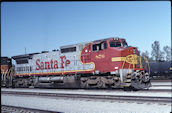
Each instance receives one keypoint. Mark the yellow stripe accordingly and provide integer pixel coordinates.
(131, 59)
(52, 72)
(170, 68)
(115, 59)
(3, 72)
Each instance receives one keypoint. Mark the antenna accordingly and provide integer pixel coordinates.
(25, 50)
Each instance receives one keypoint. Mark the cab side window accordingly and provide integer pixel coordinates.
(94, 47)
(99, 46)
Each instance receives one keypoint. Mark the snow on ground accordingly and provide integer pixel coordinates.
(83, 106)
(95, 92)
(161, 83)
(160, 87)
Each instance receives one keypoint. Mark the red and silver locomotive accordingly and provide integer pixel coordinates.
(99, 64)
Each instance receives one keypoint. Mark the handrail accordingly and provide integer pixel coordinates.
(147, 62)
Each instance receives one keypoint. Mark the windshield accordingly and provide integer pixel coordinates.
(125, 44)
(114, 44)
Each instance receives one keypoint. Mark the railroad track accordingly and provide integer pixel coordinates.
(162, 85)
(91, 96)
(143, 90)
(161, 80)
(156, 90)
(14, 109)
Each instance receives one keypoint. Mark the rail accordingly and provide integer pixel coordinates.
(92, 96)
(15, 109)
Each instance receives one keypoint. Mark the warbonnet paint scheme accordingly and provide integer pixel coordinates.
(99, 64)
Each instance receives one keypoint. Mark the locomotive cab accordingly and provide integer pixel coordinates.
(127, 63)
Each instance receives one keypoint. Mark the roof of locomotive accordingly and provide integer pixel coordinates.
(111, 38)
(73, 45)
(95, 41)
(67, 46)
(3, 57)
(4, 60)
(23, 56)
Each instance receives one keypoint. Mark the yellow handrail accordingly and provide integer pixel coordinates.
(147, 62)
(141, 66)
(9, 73)
(123, 63)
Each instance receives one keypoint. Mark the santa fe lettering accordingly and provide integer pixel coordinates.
(52, 64)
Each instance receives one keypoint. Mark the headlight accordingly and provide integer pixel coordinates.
(116, 67)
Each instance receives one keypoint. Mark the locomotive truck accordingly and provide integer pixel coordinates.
(105, 63)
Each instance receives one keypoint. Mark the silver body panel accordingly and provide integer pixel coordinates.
(75, 64)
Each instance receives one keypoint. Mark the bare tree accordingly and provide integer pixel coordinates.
(167, 51)
(156, 53)
(161, 56)
(145, 54)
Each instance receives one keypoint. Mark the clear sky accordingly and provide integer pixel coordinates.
(44, 26)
